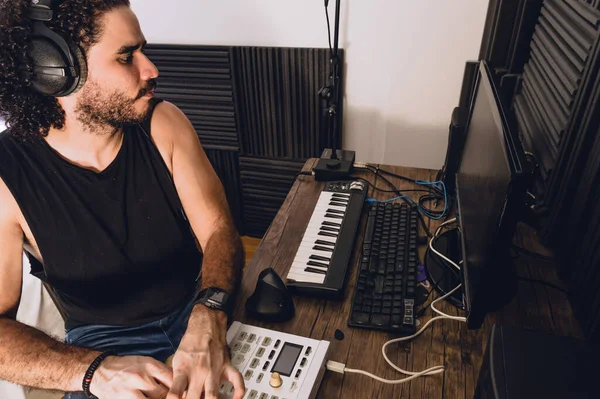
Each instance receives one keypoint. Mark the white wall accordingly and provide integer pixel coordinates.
(404, 59)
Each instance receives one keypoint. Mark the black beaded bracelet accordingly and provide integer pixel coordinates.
(87, 379)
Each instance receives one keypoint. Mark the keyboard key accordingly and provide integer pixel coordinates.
(380, 320)
(360, 318)
(379, 284)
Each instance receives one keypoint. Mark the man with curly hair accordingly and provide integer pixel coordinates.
(110, 194)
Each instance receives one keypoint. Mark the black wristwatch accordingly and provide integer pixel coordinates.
(215, 298)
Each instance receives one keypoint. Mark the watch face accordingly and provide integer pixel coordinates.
(218, 296)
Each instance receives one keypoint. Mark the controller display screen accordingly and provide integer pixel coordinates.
(287, 358)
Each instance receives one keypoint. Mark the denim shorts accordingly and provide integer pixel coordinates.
(158, 339)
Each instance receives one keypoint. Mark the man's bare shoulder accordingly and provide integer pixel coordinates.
(169, 122)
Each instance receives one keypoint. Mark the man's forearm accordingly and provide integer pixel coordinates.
(223, 259)
(31, 358)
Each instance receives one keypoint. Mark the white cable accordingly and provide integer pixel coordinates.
(435, 236)
(340, 368)
(444, 315)
(412, 377)
(435, 369)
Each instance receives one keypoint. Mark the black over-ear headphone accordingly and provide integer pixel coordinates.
(59, 66)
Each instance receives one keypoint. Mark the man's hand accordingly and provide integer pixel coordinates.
(201, 361)
(131, 377)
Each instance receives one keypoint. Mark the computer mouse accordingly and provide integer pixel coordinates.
(271, 300)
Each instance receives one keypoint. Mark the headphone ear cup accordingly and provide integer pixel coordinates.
(44, 53)
(59, 67)
(80, 67)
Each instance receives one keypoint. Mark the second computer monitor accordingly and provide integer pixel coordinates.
(491, 184)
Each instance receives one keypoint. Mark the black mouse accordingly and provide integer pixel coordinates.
(271, 300)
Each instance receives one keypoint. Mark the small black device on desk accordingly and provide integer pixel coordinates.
(384, 295)
(270, 301)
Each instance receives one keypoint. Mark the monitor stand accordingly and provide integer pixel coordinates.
(442, 276)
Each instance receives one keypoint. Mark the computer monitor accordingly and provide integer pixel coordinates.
(491, 184)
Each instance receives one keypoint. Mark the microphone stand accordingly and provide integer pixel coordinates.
(334, 164)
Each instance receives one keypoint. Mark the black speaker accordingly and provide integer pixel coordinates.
(468, 84)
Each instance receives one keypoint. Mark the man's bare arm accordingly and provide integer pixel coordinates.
(201, 359)
(28, 356)
(202, 197)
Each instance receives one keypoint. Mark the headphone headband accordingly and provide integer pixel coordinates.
(40, 10)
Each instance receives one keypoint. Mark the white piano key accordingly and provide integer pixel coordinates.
(306, 252)
(300, 270)
(305, 277)
(314, 236)
(306, 258)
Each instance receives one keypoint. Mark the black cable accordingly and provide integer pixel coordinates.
(399, 193)
(556, 287)
(422, 311)
(385, 172)
(431, 197)
(390, 191)
(532, 254)
(328, 26)
(302, 173)
(434, 192)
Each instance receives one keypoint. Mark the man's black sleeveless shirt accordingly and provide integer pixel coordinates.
(116, 246)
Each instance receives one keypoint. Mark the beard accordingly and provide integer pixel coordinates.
(99, 110)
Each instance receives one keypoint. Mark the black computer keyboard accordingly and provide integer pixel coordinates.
(384, 294)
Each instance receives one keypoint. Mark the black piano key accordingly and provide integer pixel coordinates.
(335, 211)
(336, 203)
(321, 258)
(313, 270)
(321, 248)
(327, 223)
(319, 264)
(327, 228)
(327, 234)
(325, 242)
(333, 216)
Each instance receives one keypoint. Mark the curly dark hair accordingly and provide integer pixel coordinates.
(27, 113)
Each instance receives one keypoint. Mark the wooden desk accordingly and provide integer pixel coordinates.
(446, 342)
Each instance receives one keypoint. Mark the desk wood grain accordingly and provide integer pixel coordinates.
(445, 342)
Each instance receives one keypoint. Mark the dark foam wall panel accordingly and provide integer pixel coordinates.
(558, 112)
(560, 51)
(198, 79)
(265, 184)
(279, 108)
